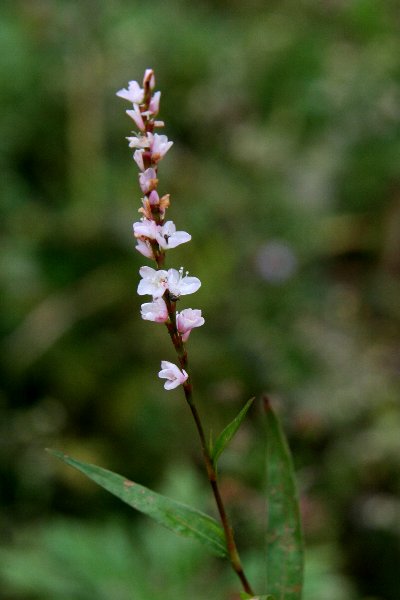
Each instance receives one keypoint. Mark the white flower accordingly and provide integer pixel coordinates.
(172, 374)
(167, 236)
(153, 282)
(136, 115)
(181, 286)
(138, 142)
(159, 147)
(134, 93)
(145, 229)
(144, 247)
(148, 180)
(155, 311)
(187, 320)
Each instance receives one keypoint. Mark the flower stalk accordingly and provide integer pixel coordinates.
(155, 237)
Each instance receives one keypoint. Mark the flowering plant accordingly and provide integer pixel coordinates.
(155, 236)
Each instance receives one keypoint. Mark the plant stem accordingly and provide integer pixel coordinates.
(210, 468)
(212, 477)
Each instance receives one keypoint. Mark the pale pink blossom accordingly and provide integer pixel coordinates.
(149, 78)
(155, 311)
(144, 247)
(148, 180)
(136, 115)
(134, 93)
(167, 236)
(186, 320)
(180, 285)
(154, 105)
(156, 282)
(159, 147)
(152, 201)
(153, 282)
(138, 142)
(146, 228)
(172, 374)
(154, 198)
(159, 123)
(138, 158)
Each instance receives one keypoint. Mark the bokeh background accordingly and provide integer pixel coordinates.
(286, 171)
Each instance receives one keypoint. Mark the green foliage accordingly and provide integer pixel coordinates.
(284, 536)
(285, 123)
(177, 517)
(245, 596)
(227, 434)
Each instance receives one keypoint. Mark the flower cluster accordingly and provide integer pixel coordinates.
(153, 234)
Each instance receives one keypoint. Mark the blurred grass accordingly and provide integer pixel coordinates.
(285, 169)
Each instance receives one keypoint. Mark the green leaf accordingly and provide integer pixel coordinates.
(227, 434)
(178, 517)
(246, 596)
(284, 536)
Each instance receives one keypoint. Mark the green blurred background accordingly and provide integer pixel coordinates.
(286, 171)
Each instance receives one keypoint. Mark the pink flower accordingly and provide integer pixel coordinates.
(155, 311)
(159, 147)
(180, 285)
(138, 158)
(148, 180)
(186, 320)
(149, 78)
(156, 282)
(153, 282)
(153, 200)
(145, 229)
(144, 247)
(134, 93)
(172, 374)
(154, 105)
(167, 236)
(136, 115)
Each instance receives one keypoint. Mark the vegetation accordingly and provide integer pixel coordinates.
(286, 171)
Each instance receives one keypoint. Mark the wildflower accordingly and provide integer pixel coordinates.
(136, 115)
(154, 105)
(148, 180)
(152, 201)
(180, 285)
(138, 158)
(145, 228)
(167, 236)
(144, 247)
(159, 147)
(149, 79)
(138, 142)
(155, 311)
(134, 93)
(186, 320)
(172, 374)
(153, 282)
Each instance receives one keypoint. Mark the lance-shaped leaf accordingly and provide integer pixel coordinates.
(227, 434)
(176, 516)
(284, 536)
